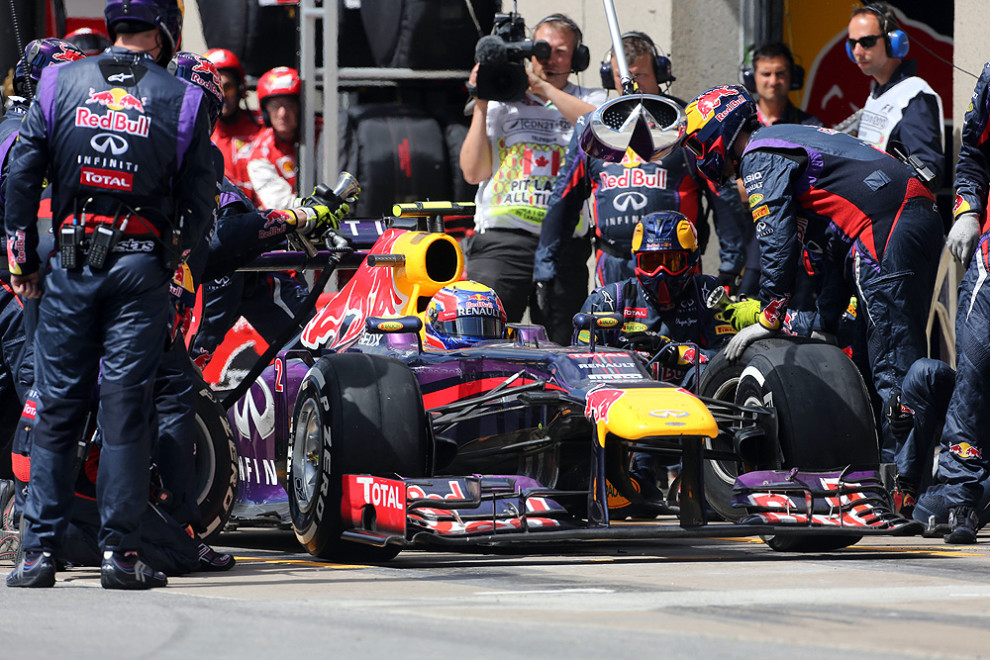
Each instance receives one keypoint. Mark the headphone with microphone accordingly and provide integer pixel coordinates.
(747, 72)
(661, 63)
(895, 40)
(582, 56)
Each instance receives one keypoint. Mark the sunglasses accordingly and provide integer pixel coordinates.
(866, 42)
(672, 262)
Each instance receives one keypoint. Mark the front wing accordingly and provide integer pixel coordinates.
(511, 510)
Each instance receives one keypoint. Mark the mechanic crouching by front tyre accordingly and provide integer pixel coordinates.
(808, 184)
(123, 224)
(665, 313)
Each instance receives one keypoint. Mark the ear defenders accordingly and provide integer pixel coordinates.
(895, 41)
(582, 56)
(662, 68)
(747, 73)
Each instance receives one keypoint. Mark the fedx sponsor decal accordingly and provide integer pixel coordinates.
(109, 179)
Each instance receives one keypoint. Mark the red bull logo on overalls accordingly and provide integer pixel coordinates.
(118, 101)
(965, 450)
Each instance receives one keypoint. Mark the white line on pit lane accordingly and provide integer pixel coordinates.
(552, 592)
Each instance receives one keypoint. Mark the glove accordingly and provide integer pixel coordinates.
(319, 219)
(743, 313)
(826, 337)
(963, 236)
(730, 281)
(738, 344)
(900, 418)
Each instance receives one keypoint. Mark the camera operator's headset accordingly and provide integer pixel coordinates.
(661, 63)
(747, 71)
(895, 40)
(582, 56)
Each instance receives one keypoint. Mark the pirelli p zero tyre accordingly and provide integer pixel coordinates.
(216, 463)
(354, 414)
(719, 381)
(824, 418)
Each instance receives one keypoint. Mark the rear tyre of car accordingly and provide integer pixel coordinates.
(354, 414)
(823, 414)
(216, 464)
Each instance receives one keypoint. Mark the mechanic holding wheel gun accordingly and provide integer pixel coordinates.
(876, 218)
(123, 225)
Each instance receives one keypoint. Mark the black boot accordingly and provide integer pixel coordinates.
(964, 523)
(36, 569)
(125, 570)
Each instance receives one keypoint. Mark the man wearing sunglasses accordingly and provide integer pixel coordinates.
(903, 114)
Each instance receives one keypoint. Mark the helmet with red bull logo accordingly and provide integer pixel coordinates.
(711, 124)
(464, 313)
(200, 71)
(38, 55)
(166, 15)
(665, 247)
(88, 40)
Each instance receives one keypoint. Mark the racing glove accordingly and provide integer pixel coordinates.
(963, 236)
(738, 344)
(900, 418)
(730, 281)
(319, 219)
(743, 313)
(544, 298)
(647, 341)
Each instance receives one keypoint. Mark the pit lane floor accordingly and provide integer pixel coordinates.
(730, 598)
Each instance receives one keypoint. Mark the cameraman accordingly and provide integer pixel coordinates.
(514, 150)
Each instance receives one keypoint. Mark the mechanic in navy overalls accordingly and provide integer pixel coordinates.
(127, 149)
(877, 220)
(961, 490)
(241, 233)
(664, 301)
(17, 360)
(621, 193)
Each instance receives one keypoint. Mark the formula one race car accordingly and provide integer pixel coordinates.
(366, 442)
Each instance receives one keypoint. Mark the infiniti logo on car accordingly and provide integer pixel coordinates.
(104, 142)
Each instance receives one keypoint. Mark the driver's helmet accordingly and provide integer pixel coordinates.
(38, 55)
(665, 247)
(464, 313)
(711, 124)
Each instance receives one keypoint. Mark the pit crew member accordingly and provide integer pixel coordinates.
(269, 171)
(105, 298)
(237, 128)
(876, 218)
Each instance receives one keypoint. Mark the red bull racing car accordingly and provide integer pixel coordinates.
(366, 442)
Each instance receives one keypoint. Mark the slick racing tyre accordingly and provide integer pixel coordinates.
(824, 418)
(354, 414)
(216, 464)
(719, 380)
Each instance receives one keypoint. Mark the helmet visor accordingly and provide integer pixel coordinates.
(672, 262)
(477, 327)
(693, 144)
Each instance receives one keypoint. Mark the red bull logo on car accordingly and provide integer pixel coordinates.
(599, 401)
(965, 450)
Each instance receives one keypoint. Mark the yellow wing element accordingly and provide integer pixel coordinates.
(642, 412)
(432, 261)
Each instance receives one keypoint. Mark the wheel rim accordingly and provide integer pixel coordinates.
(307, 454)
(206, 461)
(726, 471)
